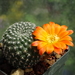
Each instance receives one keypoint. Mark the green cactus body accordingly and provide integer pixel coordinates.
(17, 45)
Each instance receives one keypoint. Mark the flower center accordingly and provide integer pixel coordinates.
(52, 38)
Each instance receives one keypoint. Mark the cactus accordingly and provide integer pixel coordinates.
(17, 47)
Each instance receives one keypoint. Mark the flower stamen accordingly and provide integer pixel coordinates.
(52, 39)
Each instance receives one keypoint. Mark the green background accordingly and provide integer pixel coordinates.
(41, 12)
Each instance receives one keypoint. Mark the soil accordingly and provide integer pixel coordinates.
(45, 62)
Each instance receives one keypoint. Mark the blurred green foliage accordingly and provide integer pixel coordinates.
(40, 12)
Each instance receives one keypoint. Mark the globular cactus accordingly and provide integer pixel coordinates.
(17, 45)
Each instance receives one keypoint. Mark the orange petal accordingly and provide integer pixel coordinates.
(49, 49)
(47, 28)
(51, 23)
(57, 45)
(41, 45)
(41, 38)
(40, 32)
(39, 35)
(63, 45)
(68, 42)
(52, 28)
(70, 32)
(41, 51)
(35, 43)
(40, 29)
(58, 50)
(57, 28)
(63, 34)
(63, 28)
(35, 33)
(66, 38)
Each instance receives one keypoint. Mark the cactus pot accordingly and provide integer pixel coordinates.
(55, 69)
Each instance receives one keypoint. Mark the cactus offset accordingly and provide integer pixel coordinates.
(17, 45)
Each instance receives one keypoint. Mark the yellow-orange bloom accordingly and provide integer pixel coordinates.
(52, 37)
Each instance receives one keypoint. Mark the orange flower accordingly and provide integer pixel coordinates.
(52, 37)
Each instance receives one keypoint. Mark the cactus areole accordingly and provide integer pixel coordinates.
(17, 48)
